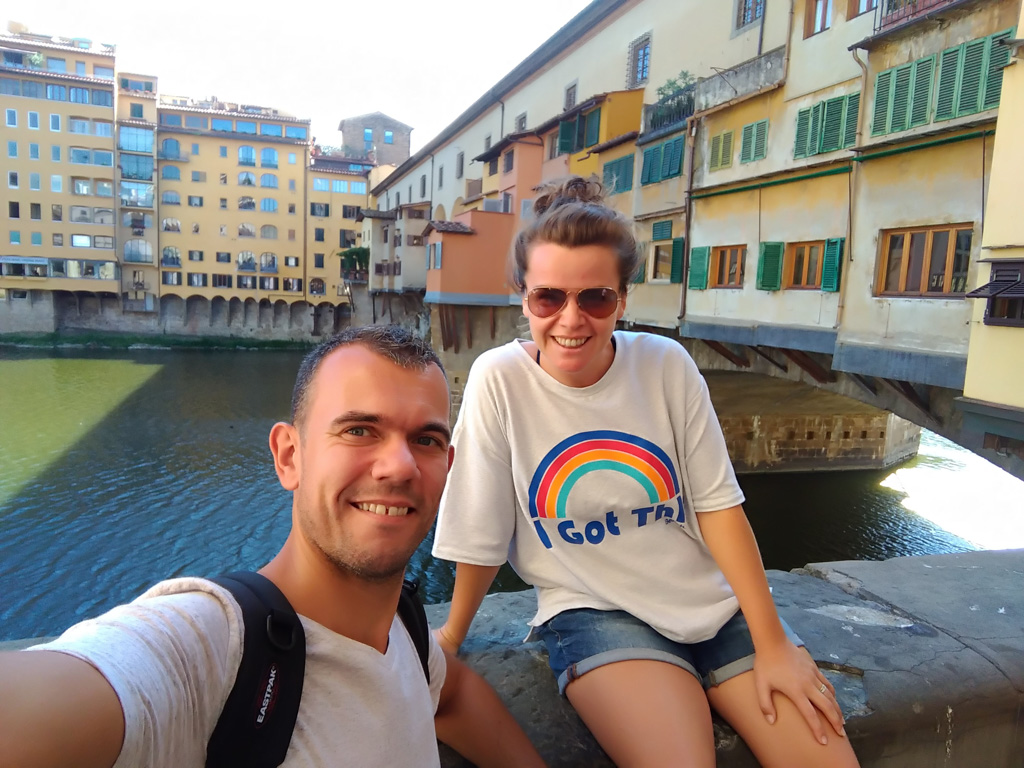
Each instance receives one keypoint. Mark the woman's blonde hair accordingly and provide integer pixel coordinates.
(571, 213)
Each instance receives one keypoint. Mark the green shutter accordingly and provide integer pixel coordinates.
(625, 180)
(593, 128)
(803, 122)
(715, 161)
(769, 266)
(747, 144)
(832, 126)
(814, 131)
(921, 99)
(124, 83)
(661, 230)
(726, 158)
(676, 273)
(972, 72)
(899, 112)
(566, 135)
(676, 148)
(651, 171)
(998, 57)
(666, 160)
(641, 273)
(851, 119)
(609, 175)
(581, 134)
(880, 118)
(945, 100)
(697, 280)
(760, 140)
(831, 265)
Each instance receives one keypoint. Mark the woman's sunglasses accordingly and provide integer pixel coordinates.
(599, 303)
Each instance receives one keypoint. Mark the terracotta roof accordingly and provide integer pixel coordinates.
(452, 227)
(613, 142)
(45, 73)
(497, 149)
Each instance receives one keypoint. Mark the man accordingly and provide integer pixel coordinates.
(365, 456)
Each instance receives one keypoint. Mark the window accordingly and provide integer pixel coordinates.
(423, 185)
(291, 234)
(349, 211)
(925, 261)
(291, 158)
(103, 216)
(104, 188)
(460, 161)
(172, 120)
(357, 187)
(339, 185)
(639, 61)
(80, 214)
(318, 234)
(35, 211)
(368, 135)
(195, 201)
(857, 7)
(1005, 294)
(222, 281)
(721, 151)
(81, 241)
(223, 257)
(171, 278)
(803, 264)
(33, 151)
(291, 207)
(666, 253)
(268, 205)
(195, 147)
(319, 209)
(223, 151)
(81, 186)
(245, 126)
(12, 179)
(197, 279)
(55, 123)
(268, 262)
(726, 269)
(754, 142)
(169, 197)
(318, 260)
(827, 126)
(971, 76)
(171, 173)
(269, 180)
(247, 282)
(246, 261)
(569, 98)
(170, 225)
(508, 160)
(138, 251)
(102, 98)
(440, 176)
(618, 175)
(321, 185)
(135, 110)
(246, 230)
(170, 149)
(55, 153)
(492, 167)
(135, 139)
(389, 137)
(15, 237)
(291, 261)
(79, 156)
(818, 17)
(270, 129)
(223, 203)
(56, 184)
(662, 161)
(220, 124)
(268, 232)
(12, 118)
(748, 11)
(268, 283)
(58, 239)
(13, 209)
(196, 122)
(246, 155)
(36, 238)
(12, 149)
(247, 179)
(56, 213)
(57, 92)
(199, 176)
(195, 255)
(521, 122)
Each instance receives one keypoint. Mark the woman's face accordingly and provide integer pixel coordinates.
(575, 347)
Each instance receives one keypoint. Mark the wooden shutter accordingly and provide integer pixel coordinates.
(899, 118)
(609, 175)
(651, 171)
(715, 161)
(698, 278)
(769, 266)
(726, 159)
(831, 265)
(972, 72)
(566, 135)
(814, 131)
(949, 66)
(998, 57)
(760, 139)
(747, 144)
(593, 128)
(672, 158)
(921, 97)
(832, 126)
(803, 122)
(626, 175)
(661, 230)
(676, 272)
(851, 119)
(880, 118)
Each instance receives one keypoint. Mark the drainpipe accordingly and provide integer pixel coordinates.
(853, 185)
(692, 127)
(760, 32)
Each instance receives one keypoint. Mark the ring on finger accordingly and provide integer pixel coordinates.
(822, 688)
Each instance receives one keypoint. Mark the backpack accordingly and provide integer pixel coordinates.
(255, 726)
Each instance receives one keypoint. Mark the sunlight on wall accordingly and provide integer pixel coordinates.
(51, 404)
(963, 494)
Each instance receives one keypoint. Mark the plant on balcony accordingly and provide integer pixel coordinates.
(674, 84)
(355, 262)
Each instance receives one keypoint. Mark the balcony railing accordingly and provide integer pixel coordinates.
(170, 261)
(893, 13)
(246, 266)
(170, 154)
(671, 110)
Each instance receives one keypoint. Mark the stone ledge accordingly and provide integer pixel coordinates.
(928, 670)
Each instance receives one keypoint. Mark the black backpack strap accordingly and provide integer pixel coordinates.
(410, 611)
(256, 724)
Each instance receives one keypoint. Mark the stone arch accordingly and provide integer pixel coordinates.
(281, 314)
(197, 308)
(458, 206)
(439, 213)
(236, 313)
(266, 314)
(298, 313)
(219, 312)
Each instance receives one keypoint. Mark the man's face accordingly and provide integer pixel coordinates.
(371, 461)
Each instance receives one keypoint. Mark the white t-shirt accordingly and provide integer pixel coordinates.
(589, 492)
(172, 655)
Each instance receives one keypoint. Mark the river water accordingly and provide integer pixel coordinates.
(118, 469)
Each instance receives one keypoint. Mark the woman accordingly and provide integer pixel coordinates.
(592, 460)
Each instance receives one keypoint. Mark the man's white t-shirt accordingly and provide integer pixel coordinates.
(172, 654)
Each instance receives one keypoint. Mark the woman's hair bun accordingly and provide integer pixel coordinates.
(575, 189)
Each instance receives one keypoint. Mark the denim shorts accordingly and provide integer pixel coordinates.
(583, 639)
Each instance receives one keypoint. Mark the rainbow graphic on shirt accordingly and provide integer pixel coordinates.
(576, 456)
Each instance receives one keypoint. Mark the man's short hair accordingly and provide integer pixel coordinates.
(397, 344)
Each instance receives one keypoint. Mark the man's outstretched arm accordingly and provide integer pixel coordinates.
(57, 710)
(473, 721)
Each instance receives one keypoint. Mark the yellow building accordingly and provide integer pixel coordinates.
(231, 195)
(993, 401)
(57, 95)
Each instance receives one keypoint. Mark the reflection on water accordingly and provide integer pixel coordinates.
(119, 469)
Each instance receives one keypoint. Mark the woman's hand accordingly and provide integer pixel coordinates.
(446, 641)
(791, 671)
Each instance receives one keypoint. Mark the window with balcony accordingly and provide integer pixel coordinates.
(246, 155)
(268, 232)
(138, 167)
(1004, 293)
(246, 261)
(132, 139)
(138, 251)
(268, 180)
(638, 61)
(170, 256)
(268, 262)
(817, 17)
(170, 149)
(929, 262)
(247, 179)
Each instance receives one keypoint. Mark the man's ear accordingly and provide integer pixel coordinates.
(284, 445)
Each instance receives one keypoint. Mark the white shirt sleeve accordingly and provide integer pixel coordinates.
(477, 516)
